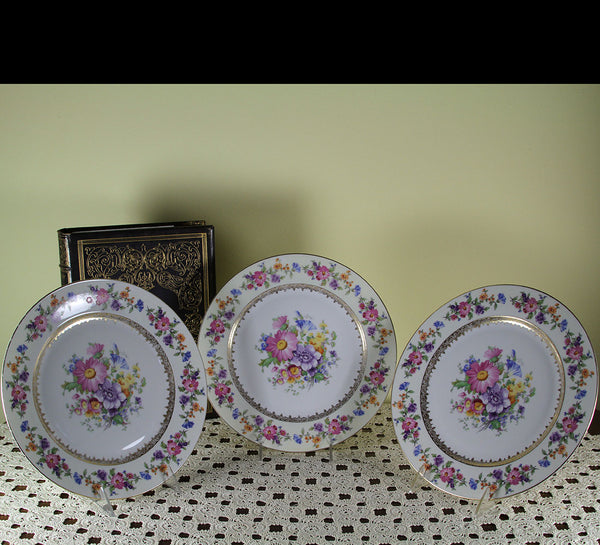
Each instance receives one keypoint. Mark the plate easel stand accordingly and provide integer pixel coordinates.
(103, 501)
(168, 480)
(485, 503)
(330, 448)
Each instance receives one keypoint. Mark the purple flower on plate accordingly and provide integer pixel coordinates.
(496, 399)
(540, 318)
(555, 437)
(110, 394)
(307, 358)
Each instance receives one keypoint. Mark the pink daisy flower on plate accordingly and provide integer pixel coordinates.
(282, 345)
(90, 373)
(482, 376)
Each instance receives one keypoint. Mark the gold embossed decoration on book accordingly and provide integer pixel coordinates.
(174, 261)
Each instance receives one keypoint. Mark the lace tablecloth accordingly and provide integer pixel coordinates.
(227, 493)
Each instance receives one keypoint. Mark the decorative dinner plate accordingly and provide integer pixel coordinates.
(299, 352)
(494, 392)
(103, 389)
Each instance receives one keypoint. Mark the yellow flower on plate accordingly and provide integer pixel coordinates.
(127, 380)
(519, 387)
(317, 340)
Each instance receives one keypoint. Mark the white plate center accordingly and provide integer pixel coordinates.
(104, 388)
(297, 353)
(492, 390)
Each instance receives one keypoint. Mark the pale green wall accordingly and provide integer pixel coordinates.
(425, 190)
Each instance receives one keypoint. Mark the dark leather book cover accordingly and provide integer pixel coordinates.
(174, 261)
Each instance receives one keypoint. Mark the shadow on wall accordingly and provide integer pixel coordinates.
(249, 224)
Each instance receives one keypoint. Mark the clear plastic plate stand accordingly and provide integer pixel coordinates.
(104, 502)
(331, 442)
(260, 440)
(169, 479)
(486, 502)
(423, 470)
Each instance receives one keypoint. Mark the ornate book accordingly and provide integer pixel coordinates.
(174, 261)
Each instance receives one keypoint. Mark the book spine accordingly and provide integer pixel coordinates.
(66, 275)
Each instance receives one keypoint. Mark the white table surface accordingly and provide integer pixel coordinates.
(227, 494)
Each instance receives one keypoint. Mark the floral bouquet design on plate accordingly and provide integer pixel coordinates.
(105, 390)
(299, 354)
(493, 392)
